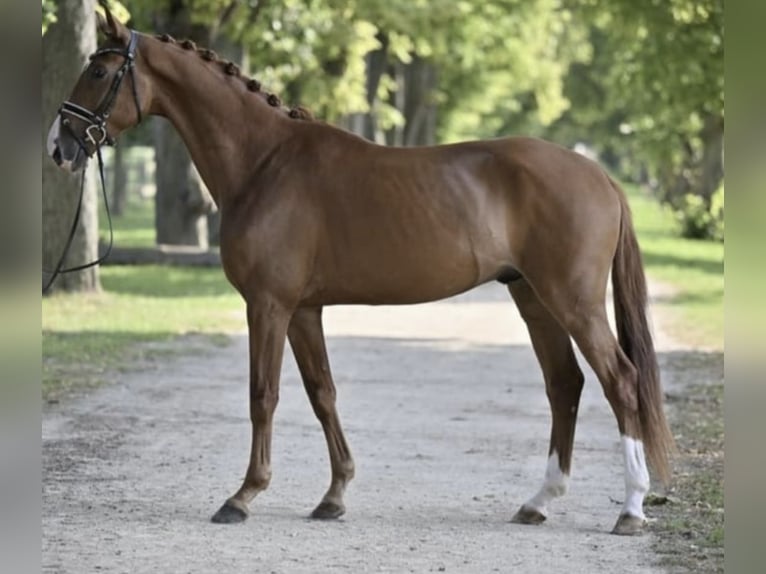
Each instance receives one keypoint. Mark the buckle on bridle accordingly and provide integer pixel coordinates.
(102, 135)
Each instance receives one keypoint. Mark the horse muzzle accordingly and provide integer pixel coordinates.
(64, 149)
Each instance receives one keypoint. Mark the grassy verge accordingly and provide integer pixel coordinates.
(694, 269)
(86, 336)
(689, 524)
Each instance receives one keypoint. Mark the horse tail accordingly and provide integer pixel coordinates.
(634, 336)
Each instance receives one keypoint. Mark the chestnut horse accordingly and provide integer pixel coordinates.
(312, 215)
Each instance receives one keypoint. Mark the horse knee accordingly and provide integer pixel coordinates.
(627, 385)
(322, 400)
(565, 388)
(262, 404)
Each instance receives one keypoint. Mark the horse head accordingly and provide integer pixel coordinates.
(111, 95)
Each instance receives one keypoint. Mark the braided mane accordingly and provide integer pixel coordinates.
(231, 69)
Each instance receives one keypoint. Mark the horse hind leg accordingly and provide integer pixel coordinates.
(587, 323)
(619, 380)
(563, 384)
(307, 341)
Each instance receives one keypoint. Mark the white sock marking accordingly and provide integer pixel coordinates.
(554, 485)
(636, 476)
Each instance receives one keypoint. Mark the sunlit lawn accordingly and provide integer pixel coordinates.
(85, 334)
(134, 228)
(693, 268)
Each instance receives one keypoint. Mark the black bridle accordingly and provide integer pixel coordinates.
(97, 134)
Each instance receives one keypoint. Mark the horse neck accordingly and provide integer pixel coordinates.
(227, 129)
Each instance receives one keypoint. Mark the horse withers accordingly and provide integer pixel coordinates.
(312, 215)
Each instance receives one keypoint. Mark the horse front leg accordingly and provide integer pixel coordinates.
(267, 323)
(307, 340)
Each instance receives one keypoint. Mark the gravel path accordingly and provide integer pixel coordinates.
(445, 412)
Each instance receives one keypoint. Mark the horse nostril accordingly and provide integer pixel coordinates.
(57, 155)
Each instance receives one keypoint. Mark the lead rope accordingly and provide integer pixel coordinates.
(58, 269)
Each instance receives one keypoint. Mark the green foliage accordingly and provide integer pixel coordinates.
(49, 14)
(491, 56)
(716, 211)
(698, 220)
(651, 98)
(117, 8)
(504, 60)
(694, 217)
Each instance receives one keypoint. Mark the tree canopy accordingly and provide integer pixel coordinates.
(640, 83)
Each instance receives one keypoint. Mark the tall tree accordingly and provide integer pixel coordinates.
(119, 180)
(652, 95)
(67, 44)
(182, 201)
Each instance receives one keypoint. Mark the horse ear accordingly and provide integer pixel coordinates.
(101, 24)
(110, 26)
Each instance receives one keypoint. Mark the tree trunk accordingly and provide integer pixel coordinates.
(366, 125)
(182, 202)
(419, 107)
(414, 98)
(120, 181)
(395, 136)
(711, 168)
(66, 47)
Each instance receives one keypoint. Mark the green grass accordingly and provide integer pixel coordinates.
(85, 336)
(134, 228)
(693, 268)
(690, 528)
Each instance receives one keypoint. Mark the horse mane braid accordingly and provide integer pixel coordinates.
(300, 113)
(208, 55)
(231, 69)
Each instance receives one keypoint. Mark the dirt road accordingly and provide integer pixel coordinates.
(445, 412)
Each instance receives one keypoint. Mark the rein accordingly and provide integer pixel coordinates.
(97, 134)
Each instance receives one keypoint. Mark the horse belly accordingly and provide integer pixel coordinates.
(409, 266)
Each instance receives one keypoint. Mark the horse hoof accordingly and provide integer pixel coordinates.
(229, 513)
(628, 525)
(528, 516)
(328, 511)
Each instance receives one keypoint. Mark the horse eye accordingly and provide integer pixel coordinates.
(98, 72)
